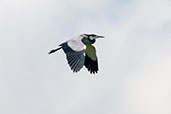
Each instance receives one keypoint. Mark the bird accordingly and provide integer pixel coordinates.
(80, 52)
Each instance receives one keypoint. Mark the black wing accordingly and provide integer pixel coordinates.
(91, 65)
(75, 58)
(91, 61)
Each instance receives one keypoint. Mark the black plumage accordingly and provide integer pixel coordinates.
(91, 65)
(75, 59)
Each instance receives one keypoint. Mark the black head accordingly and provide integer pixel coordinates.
(90, 38)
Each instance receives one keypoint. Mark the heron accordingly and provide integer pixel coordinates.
(80, 52)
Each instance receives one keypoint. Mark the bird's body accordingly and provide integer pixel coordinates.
(80, 51)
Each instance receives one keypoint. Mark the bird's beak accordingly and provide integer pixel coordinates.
(99, 37)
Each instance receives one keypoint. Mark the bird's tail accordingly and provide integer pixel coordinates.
(54, 50)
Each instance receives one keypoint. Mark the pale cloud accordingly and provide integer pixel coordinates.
(134, 57)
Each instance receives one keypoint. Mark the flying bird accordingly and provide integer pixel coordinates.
(80, 52)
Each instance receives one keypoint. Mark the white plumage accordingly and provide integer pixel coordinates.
(76, 44)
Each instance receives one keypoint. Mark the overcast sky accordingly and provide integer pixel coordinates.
(134, 58)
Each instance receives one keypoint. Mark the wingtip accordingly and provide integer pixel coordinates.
(50, 52)
(54, 50)
(93, 71)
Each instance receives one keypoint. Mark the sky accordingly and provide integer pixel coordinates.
(134, 58)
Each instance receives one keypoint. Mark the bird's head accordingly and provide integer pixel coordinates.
(90, 38)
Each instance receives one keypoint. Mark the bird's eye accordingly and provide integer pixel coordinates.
(91, 37)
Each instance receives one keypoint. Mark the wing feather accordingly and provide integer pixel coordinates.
(91, 61)
(74, 58)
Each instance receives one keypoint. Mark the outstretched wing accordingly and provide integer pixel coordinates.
(91, 62)
(75, 58)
